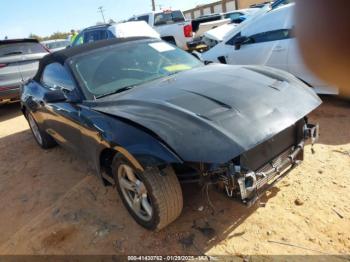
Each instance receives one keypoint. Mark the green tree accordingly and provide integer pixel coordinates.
(34, 36)
(56, 35)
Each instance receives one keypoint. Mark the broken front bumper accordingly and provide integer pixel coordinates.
(251, 184)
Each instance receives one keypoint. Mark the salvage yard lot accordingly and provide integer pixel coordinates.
(52, 204)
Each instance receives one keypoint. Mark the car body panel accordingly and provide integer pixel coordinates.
(19, 68)
(187, 117)
(10, 75)
(205, 27)
(238, 110)
(88, 132)
(9, 93)
(29, 64)
(219, 33)
(281, 53)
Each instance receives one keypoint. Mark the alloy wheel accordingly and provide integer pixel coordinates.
(35, 129)
(135, 192)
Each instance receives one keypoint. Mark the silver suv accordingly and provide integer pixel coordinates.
(19, 61)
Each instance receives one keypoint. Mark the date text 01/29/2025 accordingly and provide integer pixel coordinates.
(166, 258)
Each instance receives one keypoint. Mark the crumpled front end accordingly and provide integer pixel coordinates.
(241, 129)
(249, 175)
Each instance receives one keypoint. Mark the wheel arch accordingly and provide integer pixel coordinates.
(115, 135)
(138, 159)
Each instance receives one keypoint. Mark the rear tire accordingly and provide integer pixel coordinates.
(161, 189)
(43, 139)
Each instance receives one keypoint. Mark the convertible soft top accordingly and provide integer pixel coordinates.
(63, 55)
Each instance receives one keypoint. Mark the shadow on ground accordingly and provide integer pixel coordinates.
(9, 110)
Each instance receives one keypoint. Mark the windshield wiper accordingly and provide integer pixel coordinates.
(13, 53)
(125, 88)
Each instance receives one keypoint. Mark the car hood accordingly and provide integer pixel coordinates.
(219, 33)
(204, 27)
(214, 113)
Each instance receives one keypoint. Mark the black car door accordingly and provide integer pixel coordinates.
(61, 119)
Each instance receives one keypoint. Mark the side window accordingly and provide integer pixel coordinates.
(271, 36)
(55, 76)
(79, 39)
(233, 39)
(143, 18)
(234, 16)
(110, 34)
(95, 35)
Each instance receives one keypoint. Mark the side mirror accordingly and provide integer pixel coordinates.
(54, 96)
(241, 41)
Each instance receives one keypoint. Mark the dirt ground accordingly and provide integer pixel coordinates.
(52, 204)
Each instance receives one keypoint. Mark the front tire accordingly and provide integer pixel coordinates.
(43, 139)
(153, 197)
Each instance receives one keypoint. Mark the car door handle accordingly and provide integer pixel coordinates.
(278, 48)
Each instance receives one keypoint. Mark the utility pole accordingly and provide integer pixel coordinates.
(153, 5)
(101, 10)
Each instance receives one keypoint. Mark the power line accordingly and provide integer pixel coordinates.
(101, 10)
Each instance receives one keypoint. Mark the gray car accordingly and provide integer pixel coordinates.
(19, 61)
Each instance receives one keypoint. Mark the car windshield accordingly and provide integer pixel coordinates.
(57, 44)
(114, 68)
(21, 48)
(168, 18)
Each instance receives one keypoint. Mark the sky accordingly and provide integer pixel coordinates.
(19, 18)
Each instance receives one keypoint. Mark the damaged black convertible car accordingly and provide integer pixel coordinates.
(148, 117)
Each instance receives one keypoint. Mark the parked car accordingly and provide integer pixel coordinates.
(147, 116)
(19, 61)
(205, 19)
(240, 15)
(269, 40)
(261, 5)
(114, 30)
(210, 29)
(235, 17)
(215, 35)
(207, 26)
(56, 44)
(170, 24)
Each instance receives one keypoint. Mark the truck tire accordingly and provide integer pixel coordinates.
(153, 197)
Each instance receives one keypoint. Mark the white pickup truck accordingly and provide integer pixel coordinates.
(170, 24)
